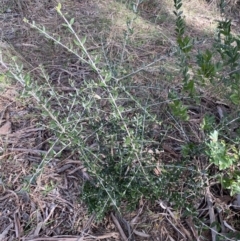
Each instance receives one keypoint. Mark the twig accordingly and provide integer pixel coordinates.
(211, 214)
(143, 68)
(5, 231)
(234, 71)
(88, 224)
(191, 226)
(75, 238)
(119, 227)
(174, 226)
(27, 150)
(17, 224)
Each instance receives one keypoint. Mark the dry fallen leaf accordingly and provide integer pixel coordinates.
(11, 93)
(6, 128)
(141, 234)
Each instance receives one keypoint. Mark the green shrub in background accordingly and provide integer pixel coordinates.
(220, 67)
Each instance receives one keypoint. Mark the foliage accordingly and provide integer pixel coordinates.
(226, 157)
(218, 66)
(108, 128)
(94, 121)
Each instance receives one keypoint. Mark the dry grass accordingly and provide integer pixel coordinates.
(49, 208)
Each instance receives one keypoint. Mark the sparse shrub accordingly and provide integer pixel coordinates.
(94, 121)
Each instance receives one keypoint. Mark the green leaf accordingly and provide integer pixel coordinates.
(189, 86)
(235, 98)
(76, 42)
(214, 136)
(108, 76)
(83, 40)
(58, 8)
(65, 25)
(27, 79)
(72, 21)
